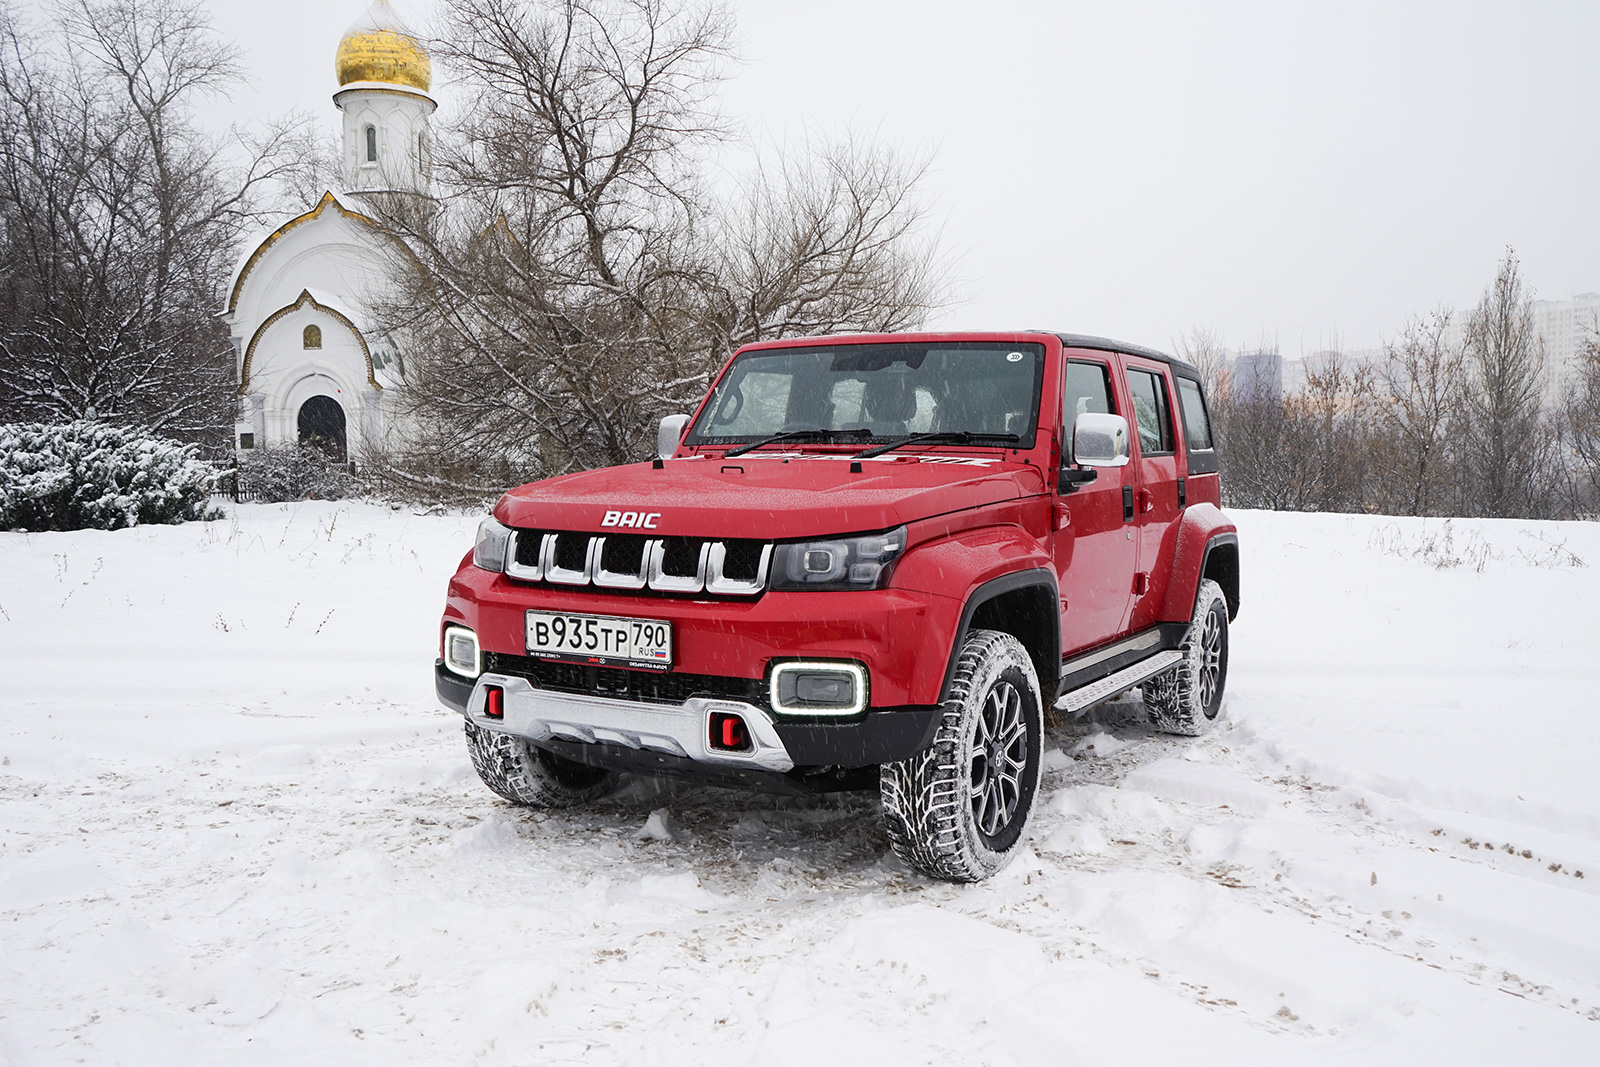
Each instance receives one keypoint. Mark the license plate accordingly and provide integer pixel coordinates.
(600, 640)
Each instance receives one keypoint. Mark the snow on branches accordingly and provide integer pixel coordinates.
(86, 475)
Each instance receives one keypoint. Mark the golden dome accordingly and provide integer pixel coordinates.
(379, 48)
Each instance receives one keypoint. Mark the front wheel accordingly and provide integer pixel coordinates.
(1187, 699)
(531, 776)
(957, 810)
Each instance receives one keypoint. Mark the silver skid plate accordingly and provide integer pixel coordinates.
(676, 729)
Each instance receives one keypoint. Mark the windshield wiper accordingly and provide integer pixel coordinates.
(950, 437)
(819, 436)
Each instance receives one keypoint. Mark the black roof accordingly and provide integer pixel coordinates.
(1106, 344)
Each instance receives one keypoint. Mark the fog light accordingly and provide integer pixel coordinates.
(833, 689)
(461, 653)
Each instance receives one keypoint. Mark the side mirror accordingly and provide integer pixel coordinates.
(1100, 440)
(670, 434)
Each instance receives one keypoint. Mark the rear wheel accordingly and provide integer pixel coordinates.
(957, 810)
(1187, 699)
(531, 776)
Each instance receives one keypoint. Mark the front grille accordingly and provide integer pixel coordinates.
(743, 561)
(572, 551)
(529, 542)
(624, 554)
(670, 688)
(631, 562)
(680, 556)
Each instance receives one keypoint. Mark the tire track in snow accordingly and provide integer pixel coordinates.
(1354, 827)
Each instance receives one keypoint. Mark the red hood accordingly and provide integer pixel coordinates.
(762, 496)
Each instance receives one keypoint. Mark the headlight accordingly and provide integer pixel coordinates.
(840, 563)
(489, 551)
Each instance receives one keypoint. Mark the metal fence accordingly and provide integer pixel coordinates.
(231, 482)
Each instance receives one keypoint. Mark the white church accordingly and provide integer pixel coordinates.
(310, 365)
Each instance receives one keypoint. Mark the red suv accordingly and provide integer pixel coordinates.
(866, 561)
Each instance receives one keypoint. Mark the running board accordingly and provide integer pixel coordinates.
(1109, 686)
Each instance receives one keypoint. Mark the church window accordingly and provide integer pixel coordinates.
(313, 337)
(372, 144)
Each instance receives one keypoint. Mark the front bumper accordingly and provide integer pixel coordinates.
(903, 638)
(681, 731)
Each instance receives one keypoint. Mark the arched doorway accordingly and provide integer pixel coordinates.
(322, 425)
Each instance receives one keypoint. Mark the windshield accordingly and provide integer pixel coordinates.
(880, 391)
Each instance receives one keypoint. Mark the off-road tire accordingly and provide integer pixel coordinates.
(936, 823)
(531, 776)
(1187, 699)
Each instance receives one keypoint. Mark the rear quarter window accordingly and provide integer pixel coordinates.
(1196, 423)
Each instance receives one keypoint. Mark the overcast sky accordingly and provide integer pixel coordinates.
(1309, 171)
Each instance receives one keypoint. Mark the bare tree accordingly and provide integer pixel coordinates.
(578, 279)
(1255, 439)
(1303, 452)
(1582, 416)
(1330, 422)
(1202, 347)
(1505, 441)
(119, 216)
(1440, 427)
(829, 240)
(1422, 386)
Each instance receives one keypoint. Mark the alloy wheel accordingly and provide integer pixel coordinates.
(1210, 662)
(999, 758)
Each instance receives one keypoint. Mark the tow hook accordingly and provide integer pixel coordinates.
(728, 732)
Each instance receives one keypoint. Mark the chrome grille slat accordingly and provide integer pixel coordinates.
(522, 571)
(619, 579)
(567, 575)
(662, 582)
(717, 582)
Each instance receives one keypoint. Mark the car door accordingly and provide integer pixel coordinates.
(1095, 544)
(1156, 493)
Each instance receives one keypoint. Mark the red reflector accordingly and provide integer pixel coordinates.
(494, 702)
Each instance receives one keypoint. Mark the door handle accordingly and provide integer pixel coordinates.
(1127, 503)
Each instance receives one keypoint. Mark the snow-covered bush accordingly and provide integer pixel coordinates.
(273, 475)
(87, 475)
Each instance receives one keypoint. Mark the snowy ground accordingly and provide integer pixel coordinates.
(235, 827)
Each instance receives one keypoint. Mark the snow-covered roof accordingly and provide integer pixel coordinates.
(248, 262)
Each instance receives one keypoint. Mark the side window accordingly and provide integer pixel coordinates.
(1150, 411)
(1088, 389)
(1196, 423)
(372, 144)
